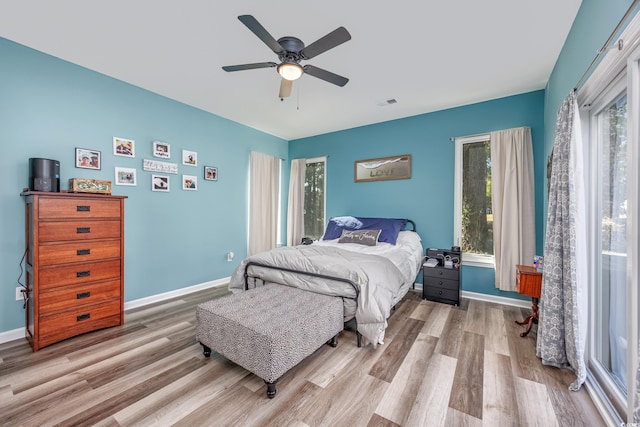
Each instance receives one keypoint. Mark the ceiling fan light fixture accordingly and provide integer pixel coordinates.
(290, 70)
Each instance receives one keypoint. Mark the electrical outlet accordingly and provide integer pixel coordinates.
(19, 296)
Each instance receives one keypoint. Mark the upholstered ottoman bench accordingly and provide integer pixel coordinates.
(270, 329)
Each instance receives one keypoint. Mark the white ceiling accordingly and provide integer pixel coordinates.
(427, 54)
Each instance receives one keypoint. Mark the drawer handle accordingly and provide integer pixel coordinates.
(440, 283)
(83, 208)
(83, 252)
(83, 317)
(440, 273)
(82, 295)
(82, 230)
(85, 273)
(440, 293)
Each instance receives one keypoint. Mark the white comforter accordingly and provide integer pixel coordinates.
(380, 272)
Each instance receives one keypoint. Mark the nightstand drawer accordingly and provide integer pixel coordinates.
(441, 283)
(441, 293)
(440, 272)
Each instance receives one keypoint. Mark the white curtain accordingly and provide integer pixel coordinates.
(295, 211)
(263, 202)
(512, 197)
(563, 304)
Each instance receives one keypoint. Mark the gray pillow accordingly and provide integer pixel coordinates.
(362, 237)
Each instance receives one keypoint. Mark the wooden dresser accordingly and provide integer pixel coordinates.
(74, 264)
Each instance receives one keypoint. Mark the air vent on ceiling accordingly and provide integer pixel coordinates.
(387, 102)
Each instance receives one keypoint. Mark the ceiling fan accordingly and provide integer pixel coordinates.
(290, 51)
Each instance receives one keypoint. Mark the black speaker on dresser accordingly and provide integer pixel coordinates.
(44, 175)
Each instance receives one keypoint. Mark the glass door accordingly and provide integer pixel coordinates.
(609, 340)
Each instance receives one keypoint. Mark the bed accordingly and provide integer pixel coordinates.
(371, 263)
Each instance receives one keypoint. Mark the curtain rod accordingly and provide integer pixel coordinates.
(453, 138)
(607, 45)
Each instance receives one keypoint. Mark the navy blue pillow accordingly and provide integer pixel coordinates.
(390, 227)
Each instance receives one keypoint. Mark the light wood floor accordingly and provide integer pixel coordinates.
(440, 366)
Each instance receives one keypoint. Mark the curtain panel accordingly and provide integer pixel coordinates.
(263, 202)
(295, 211)
(563, 304)
(513, 203)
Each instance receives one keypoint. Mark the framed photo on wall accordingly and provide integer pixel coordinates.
(87, 159)
(210, 173)
(160, 183)
(126, 176)
(161, 149)
(189, 182)
(124, 147)
(189, 158)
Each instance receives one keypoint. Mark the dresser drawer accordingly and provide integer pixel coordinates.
(74, 296)
(56, 327)
(77, 208)
(441, 283)
(444, 273)
(52, 231)
(441, 294)
(89, 250)
(78, 273)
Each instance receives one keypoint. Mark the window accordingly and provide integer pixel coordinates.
(473, 220)
(314, 197)
(610, 123)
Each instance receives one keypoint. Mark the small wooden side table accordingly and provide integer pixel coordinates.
(529, 282)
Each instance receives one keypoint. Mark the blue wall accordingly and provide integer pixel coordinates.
(594, 22)
(48, 107)
(426, 198)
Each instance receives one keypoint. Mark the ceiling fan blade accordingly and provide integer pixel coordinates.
(331, 40)
(249, 66)
(257, 29)
(285, 88)
(325, 75)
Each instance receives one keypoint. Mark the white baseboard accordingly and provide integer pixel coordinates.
(174, 294)
(496, 299)
(488, 298)
(12, 335)
(19, 333)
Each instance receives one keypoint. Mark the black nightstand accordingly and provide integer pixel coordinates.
(442, 284)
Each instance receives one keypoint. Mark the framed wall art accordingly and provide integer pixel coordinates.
(189, 158)
(160, 183)
(124, 147)
(210, 173)
(189, 182)
(383, 168)
(87, 159)
(126, 176)
(161, 149)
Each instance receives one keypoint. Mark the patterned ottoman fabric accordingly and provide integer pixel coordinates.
(269, 329)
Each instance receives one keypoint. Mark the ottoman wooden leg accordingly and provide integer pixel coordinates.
(333, 342)
(271, 389)
(205, 350)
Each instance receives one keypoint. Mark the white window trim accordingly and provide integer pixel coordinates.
(475, 260)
